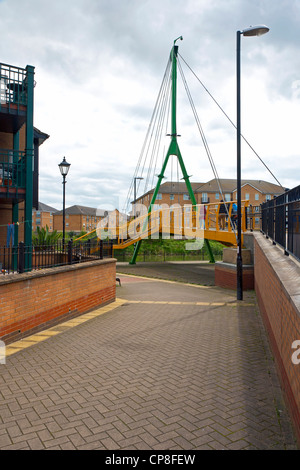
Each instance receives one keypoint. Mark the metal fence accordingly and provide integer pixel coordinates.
(281, 221)
(13, 259)
(12, 169)
(253, 220)
(13, 86)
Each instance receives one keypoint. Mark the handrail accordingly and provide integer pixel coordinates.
(184, 221)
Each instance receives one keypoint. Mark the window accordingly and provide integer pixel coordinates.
(256, 196)
(268, 197)
(204, 197)
(186, 197)
(159, 196)
(227, 197)
(247, 196)
(172, 197)
(217, 195)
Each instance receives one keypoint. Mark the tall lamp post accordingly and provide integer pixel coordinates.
(252, 31)
(64, 168)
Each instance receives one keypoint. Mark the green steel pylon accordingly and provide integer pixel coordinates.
(173, 150)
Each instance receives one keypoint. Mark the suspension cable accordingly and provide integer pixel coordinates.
(161, 117)
(141, 164)
(213, 166)
(225, 114)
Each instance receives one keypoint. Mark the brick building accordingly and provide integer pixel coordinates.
(42, 217)
(78, 218)
(256, 191)
(171, 193)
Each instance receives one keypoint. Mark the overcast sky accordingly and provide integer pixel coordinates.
(99, 66)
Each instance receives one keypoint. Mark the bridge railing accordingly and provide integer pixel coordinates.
(281, 221)
(200, 221)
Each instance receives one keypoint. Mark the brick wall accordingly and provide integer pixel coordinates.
(34, 301)
(226, 276)
(278, 292)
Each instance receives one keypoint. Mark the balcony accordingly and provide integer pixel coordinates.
(12, 174)
(13, 97)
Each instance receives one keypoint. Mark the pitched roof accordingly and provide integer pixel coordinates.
(45, 208)
(229, 185)
(170, 187)
(40, 136)
(83, 210)
(177, 187)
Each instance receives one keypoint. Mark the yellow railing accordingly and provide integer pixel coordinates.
(201, 221)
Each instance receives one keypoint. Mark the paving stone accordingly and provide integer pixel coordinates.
(176, 367)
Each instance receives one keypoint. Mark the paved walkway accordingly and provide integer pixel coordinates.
(169, 366)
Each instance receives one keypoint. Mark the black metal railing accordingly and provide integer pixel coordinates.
(16, 259)
(253, 219)
(13, 86)
(12, 169)
(281, 221)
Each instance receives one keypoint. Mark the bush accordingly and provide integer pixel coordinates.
(45, 238)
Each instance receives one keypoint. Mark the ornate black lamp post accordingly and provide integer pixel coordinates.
(64, 168)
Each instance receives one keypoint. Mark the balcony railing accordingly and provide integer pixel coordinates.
(13, 87)
(12, 169)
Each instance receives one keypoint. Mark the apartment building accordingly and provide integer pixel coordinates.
(42, 217)
(254, 191)
(78, 218)
(171, 193)
(19, 155)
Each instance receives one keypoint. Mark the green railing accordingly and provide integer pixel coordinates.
(13, 87)
(12, 169)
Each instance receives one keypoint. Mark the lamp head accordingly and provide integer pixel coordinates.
(258, 30)
(64, 167)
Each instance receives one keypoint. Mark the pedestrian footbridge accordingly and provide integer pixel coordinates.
(199, 222)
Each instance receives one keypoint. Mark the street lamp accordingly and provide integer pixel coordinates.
(64, 168)
(135, 178)
(251, 31)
